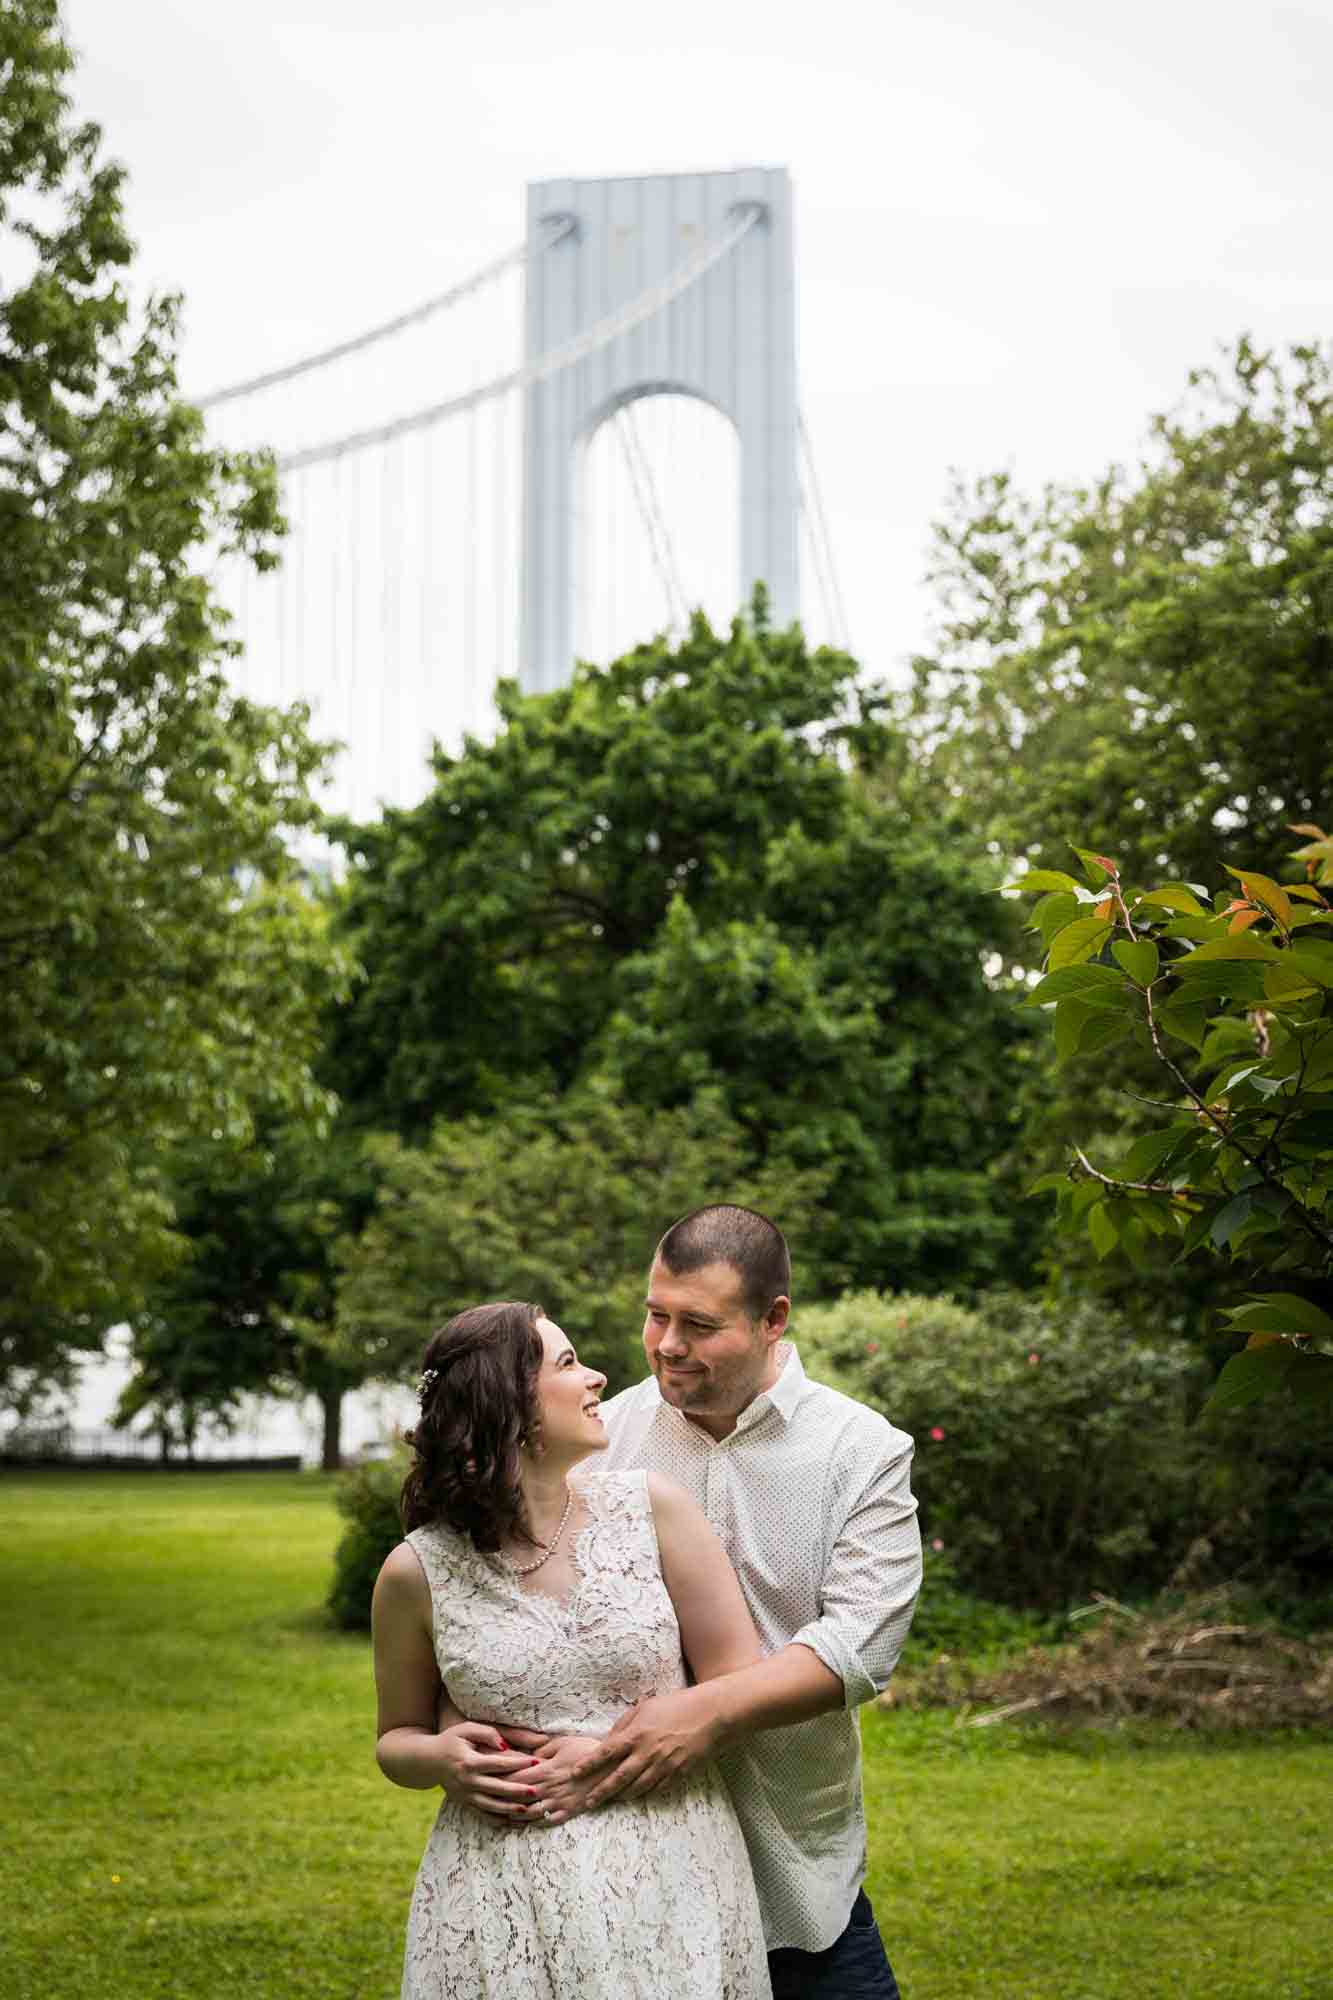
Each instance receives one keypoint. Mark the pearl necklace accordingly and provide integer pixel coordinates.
(527, 1569)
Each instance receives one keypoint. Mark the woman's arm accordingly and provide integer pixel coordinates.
(470, 1758)
(717, 1633)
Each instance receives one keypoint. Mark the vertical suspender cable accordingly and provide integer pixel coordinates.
(842, 634)
(387, 699)
(427, 664)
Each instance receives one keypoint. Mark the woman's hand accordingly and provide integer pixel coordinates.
(562, 1796)
(479, 1768)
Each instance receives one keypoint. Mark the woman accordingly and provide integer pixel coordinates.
(554, 1603)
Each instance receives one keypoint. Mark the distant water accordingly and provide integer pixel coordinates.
(269, 1426)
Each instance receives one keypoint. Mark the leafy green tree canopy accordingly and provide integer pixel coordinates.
(669, 877)
(249, 1307)
(160, 963)
(1151, 655)
(561, 1204)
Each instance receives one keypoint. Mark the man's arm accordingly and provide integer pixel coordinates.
(669, 1733)
(839, 1659)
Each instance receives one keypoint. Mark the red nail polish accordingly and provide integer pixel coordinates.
(503, 1744)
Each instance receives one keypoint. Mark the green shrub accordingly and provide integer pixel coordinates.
(1051, 1459)
(953, 1621)
(367, 1497)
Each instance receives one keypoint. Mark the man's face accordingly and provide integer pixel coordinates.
(710, 1358)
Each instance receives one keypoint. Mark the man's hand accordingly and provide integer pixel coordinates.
(561, 1794)
(480, 1769)
(652, 1743)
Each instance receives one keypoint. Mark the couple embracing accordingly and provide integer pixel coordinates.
(630, 1640)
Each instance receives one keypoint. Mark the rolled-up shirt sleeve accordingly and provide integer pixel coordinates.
(872, 1580)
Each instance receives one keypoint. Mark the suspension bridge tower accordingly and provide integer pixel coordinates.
(458, 511)
(713, 255)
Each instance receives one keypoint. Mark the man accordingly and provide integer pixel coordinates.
(809, 1493)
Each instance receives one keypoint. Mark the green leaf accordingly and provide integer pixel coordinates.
(1319, 1059)
(1043, 879)
(1230, 1074)
(1230, 979)
(1102, 1229)
(1175, 896)
(1051, 914)
(1098, 985)
(1314, 958)
(1229, 1220)
(1092, 866)
(1228, 1037)
(1052, 1183)
(1081, 1029)
(1102, 1031)
(1078, 942)
(1148, 1154)
(1197, 1233)
(1260, 1222)
(1285, 983)
(1311, 1132)
(1259, 1371)
(1139, 958)
(1198, 930)
(1243, 945)
(1262, 889)
(1282, 1312)
(1186, 1019)
(1071, 1018)
(1156, 1213)
(1311, 1378)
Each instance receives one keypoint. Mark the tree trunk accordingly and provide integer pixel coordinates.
(331, 1403)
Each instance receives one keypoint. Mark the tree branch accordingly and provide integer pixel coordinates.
(1139, 1187)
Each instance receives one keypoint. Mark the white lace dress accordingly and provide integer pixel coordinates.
(646, 1899)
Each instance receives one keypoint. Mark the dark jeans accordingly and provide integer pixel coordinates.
(854, 1967)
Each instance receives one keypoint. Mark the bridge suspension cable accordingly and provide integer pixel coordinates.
(640, 471)
(821, 542)
(554, 231)
(601, 334)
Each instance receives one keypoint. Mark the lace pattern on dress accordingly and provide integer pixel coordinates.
(640, 1900)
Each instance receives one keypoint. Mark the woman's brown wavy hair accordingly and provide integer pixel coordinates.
(478, 1405)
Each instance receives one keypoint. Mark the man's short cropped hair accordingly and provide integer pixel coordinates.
(755, 1248)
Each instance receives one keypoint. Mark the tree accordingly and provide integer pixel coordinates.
(669, 878)
(1234, 1005)
(249, 1308)
(1147, 656)
(159, 957)
(560, 1204)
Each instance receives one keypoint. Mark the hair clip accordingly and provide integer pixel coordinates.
(429, 1377)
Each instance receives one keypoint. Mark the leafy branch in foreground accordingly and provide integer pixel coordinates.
(1234, 1002)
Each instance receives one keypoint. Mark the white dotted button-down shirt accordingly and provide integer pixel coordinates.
(811, 1499)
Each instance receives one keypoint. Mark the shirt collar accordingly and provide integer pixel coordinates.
(782, 1398)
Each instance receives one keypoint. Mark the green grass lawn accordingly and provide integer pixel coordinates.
(192, 1809)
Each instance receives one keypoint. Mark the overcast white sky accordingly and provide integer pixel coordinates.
(1020, 222)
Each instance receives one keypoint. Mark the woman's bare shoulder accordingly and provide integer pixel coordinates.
(401, 1574)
